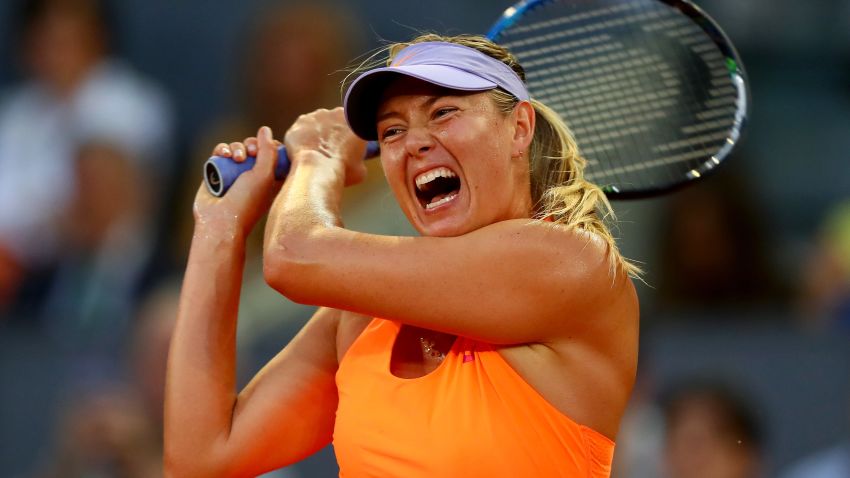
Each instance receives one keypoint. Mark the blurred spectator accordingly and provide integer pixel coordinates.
(11, 273)
(115, 429)
(109, 245)
(74, 104)
(830, 463)
(710, 433)
(149, 349)
(825, 294)
(715, 252)
(833, 462)
(105, 433)
(641, 436)
(302, 50)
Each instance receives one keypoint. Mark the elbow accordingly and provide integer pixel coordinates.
(278, 272)
(288, 267)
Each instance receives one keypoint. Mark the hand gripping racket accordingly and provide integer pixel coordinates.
(653, 90)
(220, 172)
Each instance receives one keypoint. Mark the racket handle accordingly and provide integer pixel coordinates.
(220, 173)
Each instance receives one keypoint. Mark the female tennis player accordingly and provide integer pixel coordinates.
(502, 342)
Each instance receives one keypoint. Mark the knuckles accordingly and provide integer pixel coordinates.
(321, 115)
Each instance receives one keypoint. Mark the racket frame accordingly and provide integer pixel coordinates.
(735, 66)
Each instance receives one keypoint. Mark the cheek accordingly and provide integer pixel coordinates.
(394, 172)
(482, 139)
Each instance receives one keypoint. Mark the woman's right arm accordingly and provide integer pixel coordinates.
(287, 411)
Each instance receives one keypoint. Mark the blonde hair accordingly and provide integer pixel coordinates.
(559, 191)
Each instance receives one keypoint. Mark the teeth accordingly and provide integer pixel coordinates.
(429, 176)
(441, 201)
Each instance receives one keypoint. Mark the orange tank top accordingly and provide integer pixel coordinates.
(472, 416)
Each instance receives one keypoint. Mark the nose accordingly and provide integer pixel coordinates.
(418, 141)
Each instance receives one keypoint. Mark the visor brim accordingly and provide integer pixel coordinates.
(362, 98)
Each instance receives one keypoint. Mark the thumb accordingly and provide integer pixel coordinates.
(267, 155)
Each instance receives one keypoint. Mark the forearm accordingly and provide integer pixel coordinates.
(201, 384)
(311, 197)
(305, 212)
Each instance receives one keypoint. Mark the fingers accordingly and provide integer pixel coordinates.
(266, 149)
(222, 149)
(238, 151)
(252, 146)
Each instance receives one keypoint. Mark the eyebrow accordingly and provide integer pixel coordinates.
(427, 103)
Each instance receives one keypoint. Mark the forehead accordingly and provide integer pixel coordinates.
(402, 90)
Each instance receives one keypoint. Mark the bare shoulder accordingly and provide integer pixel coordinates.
(586, 367)
(606, 276)
(592, 277)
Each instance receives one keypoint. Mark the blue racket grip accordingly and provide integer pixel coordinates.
(220, 173)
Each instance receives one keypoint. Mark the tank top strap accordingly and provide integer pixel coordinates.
(376, 339)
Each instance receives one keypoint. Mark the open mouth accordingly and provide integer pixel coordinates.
(436, 187)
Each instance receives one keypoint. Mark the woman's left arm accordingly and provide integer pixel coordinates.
(515, 281)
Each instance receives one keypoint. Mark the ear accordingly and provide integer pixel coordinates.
(524, 118)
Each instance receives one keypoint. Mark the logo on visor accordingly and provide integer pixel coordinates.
(402, 60)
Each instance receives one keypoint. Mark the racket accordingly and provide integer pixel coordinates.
(653, 90)
(220, 172)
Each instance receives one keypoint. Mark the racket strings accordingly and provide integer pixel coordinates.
(710, 135)
(672, 89)
(646, 91)
(682, 153)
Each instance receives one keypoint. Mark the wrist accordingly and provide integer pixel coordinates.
(314, 159)
(219, 231)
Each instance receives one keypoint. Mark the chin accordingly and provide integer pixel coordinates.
(452, 219)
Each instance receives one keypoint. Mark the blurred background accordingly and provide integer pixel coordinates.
(108, 109)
